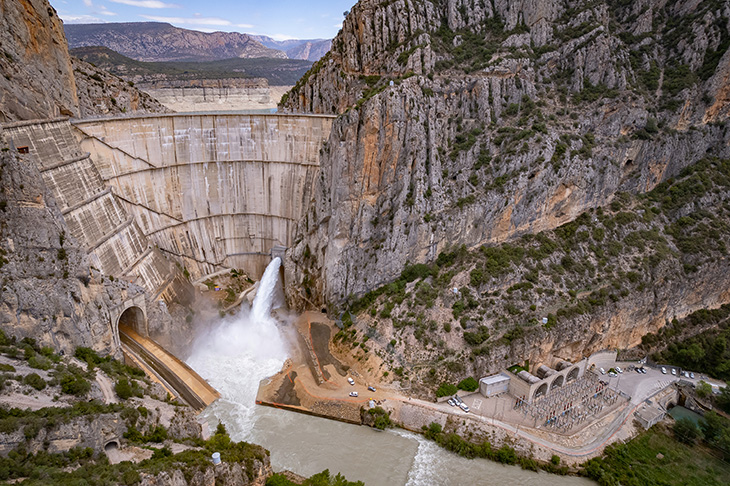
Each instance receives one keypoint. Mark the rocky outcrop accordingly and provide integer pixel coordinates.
(155, 41)
(472, 122)
(101, 93)
(49, 292)
(307, 49)
(36, 79)
(224, 474)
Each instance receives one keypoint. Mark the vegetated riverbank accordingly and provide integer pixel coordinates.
(655, 458)
(92, 420)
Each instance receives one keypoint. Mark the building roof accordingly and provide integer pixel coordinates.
(649, 413)
(494, 379)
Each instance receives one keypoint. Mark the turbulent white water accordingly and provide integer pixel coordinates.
(240, 351)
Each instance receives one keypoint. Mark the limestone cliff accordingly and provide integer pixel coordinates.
(37, 79)
(49, 292)
(476, 121)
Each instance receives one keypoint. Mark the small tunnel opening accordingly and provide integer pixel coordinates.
(111, 446)
(133, 318)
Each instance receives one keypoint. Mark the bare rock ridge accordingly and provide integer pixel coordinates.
(309, 49)
(155, 41)
(474, 122)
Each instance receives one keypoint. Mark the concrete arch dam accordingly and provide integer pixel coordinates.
(214, 191)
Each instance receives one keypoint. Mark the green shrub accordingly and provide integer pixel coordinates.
(446, 389)
(124, 389)
(35, 381)
(468, 384)
(74, 385)
(40, 362)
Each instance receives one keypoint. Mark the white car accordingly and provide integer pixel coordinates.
(603, 372)
(664, 370)
(612, 374)
(451, 402)
(619, 370)
(692, 375)
(464, 407)
(674, 371)
(353, 394)
(350, 381)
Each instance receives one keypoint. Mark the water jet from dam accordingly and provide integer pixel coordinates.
(239, 351)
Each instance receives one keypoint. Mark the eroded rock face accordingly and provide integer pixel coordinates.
(101, 93)
(473, 122)
(48, 291)
(37, 76)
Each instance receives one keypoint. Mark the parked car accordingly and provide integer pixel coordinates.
(612, 374)
(674, 371)
(371, 388)
(457, 400)
(451, 402)
(464, 407)
(638, 370)
(619, 369)
(350, 381)
(353, 394)
(643, 370)
(664, 370)
(603, 372)
(692, 375)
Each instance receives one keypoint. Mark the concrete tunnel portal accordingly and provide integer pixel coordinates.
(133, 318)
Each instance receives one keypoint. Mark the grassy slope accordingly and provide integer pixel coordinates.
(636, 464)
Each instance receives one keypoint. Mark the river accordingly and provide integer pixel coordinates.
(238, 352)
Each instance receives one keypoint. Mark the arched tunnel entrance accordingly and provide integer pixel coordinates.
(133, 318)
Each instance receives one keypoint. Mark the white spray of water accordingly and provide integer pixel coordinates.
(240, 351)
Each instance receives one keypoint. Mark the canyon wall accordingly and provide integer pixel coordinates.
(214, 191)
(36, 76)
(474, 122)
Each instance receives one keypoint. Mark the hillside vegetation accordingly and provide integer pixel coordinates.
(279, 72)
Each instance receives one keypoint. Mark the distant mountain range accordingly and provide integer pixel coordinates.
(307, 49)
(160, 42)
(278, 71)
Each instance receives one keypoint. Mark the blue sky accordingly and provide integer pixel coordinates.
(280, 19)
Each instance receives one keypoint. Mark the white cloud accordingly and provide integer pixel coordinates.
(81, 19)
(146, 3)
(108, 13)
(188, 20)
(245, 26)
(282, 37)
(88, 3)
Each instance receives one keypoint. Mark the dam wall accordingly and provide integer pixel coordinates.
(214, 191)
(95, 217)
